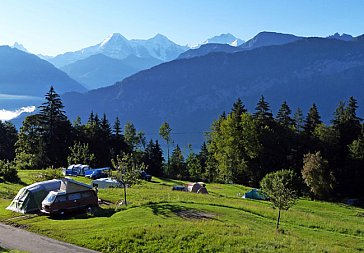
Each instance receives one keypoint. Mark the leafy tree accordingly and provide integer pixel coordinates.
(194, 167)
(30, 145)
(80, 154)
(153, 158)
(133, 138)
(279, 187)
(177, 166)
(128, 171)
(233, 142)
(165, 132)
(317, 175)
(356, 148)
(8, 137)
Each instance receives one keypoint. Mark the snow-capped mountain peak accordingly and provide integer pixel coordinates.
(113, 38)
(225, 38)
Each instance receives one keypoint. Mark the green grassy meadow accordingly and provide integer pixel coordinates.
(161, 220)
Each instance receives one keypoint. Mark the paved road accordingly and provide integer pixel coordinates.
(16, 238)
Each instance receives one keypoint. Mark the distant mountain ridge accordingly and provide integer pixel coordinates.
(22, 73)
(100, 70)
(260, 40)
(191, 93)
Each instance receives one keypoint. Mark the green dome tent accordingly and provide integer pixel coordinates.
(254, 194)
(29, 199)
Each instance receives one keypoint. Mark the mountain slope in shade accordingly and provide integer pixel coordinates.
(118, 47)
(25, 74)
(99, 70)
(344, 37)
(191, 93)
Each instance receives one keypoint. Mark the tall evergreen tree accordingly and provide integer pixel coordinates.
(313, 119)
(153, 158)
(284, 115)
(238, 108)
(8, 137)
(177, 166)
(262, 112)
(298, 120)
(56, 129)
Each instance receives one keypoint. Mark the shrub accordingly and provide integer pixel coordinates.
(8, 172)
(48, 174)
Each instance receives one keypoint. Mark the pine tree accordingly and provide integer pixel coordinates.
(262, 112)
(153, 158)
(283, 115)
(8, 137)
(238, 108)
(298, 120)
(56, 129)
(177, 166)
(313, 119)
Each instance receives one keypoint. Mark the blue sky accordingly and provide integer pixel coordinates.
(52, 27)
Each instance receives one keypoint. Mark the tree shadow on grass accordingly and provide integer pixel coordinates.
(169, 210)
(95, 212)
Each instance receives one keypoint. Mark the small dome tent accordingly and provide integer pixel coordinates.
(254, 194)
(29, 199)
(197, 188)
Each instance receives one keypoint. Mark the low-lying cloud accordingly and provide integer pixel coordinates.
(9, 115)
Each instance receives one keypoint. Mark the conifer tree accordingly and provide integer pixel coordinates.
(313, 119)
(283, 115)
(262, 112)
(177, 166)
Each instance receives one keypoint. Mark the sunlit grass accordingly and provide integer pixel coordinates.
(161, 220)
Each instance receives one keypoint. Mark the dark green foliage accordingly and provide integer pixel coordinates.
(153, 158)
(262, 112)
(280, 187)
(313, 119)
(284, 116)
(44, 138)
(8, 136)
(177, 168)
(8, 172)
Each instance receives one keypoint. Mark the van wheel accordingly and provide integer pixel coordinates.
(62, 212)
(90, 210)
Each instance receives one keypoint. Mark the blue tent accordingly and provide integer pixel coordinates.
(255, 194)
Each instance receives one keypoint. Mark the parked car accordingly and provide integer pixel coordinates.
(60, 202)
(98, 173)
(145, 176)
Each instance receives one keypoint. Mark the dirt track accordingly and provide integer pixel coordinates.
(16, 238)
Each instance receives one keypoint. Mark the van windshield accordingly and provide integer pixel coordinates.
(50, 197)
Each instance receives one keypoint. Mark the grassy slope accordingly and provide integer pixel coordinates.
(163, 220)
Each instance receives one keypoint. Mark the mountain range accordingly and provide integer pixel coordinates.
(22, 73)
(190, 93)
